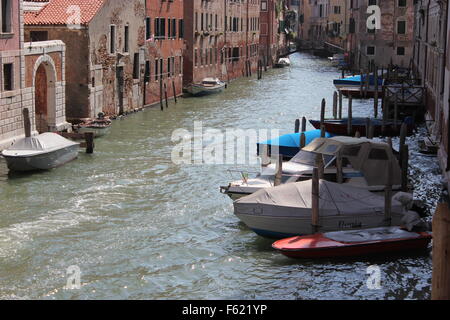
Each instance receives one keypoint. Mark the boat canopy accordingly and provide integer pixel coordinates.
(211, 81)
(335, 199)
(371, 158)
(35, 145)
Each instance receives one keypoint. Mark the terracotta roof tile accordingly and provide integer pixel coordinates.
(62, 12)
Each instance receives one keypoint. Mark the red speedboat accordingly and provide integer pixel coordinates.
(353, 243)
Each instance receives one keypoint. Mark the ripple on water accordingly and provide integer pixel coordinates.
(140, 227)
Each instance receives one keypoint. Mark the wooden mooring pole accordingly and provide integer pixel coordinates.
(340, 105)
(165, 96)
(279, 170)
(335, 105)
(322, 112)
(297, 126)
(315, 200)
(405, 166)
(388, 197)
(349, 121)
(440, 283)
(174, 91)
(302, 140)
(303, 124)
(375, 99)
(161, 93)
(26, 122)
(89, 136)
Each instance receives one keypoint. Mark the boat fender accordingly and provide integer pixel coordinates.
(411, 220)
(406, 199)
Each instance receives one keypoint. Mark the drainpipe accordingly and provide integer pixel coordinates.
(426, 42)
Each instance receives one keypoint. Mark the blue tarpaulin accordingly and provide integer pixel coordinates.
(289, 144)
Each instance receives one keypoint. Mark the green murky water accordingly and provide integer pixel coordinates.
(140, 227)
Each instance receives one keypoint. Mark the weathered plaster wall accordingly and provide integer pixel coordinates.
(104, 65)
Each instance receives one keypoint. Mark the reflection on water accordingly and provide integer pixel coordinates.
(140, 227)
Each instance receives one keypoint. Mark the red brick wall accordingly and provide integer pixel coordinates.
(164, 49)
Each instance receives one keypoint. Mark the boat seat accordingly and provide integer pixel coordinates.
(374, 234)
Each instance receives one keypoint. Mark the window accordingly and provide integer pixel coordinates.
(148, 30)
(400, 51)
(181, 29)
(38, 36)
(160, 28)
(402, 3)
(8, 80)
(127, 38)
(147, 71)
(6, 16)
(156, 69)
(370, 51)
(136, 66)
(169, 67)
(112, 39)
(263, 5)
(401, 27)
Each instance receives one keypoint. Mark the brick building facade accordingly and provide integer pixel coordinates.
(31, 77)
(164, 37)
(222, 38)
(105, 62)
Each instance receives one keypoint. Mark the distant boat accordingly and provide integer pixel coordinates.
(353, 243)
(100, 127)
(288, 145)
(282, 63)
(355, 81)
(339, 127)
(42, 152)
(206, 87)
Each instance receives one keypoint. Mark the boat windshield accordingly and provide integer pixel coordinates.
(309, 158)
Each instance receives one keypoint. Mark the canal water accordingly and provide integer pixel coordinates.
(139, 226)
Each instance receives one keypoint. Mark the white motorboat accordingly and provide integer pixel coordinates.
(282, 62)
(99, 127)
(363, 161)
(208, 86)
(42, 152)
(297, 169)
(286, 210)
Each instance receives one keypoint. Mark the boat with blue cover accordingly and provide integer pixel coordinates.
(288, 145)
(355, 81)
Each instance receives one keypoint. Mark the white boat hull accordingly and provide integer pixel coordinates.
(283, 227)
(98, 131)
(45, 161)
(199, 90)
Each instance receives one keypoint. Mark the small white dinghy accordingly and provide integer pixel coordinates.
(42, 152)
(283, 62)
(208, 86)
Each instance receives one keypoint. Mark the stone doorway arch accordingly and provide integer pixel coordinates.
(44, 82)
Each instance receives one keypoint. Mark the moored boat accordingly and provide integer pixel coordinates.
(282, 63)
(288, 145)
(353, 243)
(361, 169)
(286, 210)
(206, 87)
(100, 126)
(355, 81)
(42, 152)
(339, 126)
